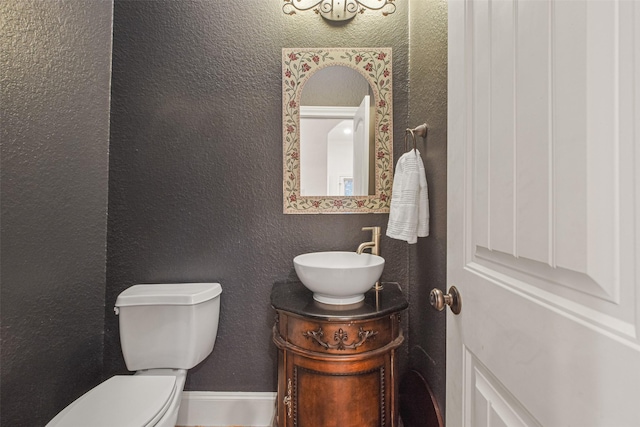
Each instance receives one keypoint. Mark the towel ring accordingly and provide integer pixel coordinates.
(413, 135)
(420, 131)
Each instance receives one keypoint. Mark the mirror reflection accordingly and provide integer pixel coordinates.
(336, 134)
(337, 123)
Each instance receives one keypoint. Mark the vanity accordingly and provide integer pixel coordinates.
(337, 364)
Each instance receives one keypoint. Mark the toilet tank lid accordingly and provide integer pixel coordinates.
(168, 294)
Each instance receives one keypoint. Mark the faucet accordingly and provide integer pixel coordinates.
(374, 244)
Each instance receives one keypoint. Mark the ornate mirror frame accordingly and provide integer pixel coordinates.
(298, 65)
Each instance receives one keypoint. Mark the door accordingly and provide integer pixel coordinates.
(544, 213)
(361, 149)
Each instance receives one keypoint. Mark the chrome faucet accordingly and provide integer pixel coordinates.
(374, 244)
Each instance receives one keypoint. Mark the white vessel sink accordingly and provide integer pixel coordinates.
(338, 277)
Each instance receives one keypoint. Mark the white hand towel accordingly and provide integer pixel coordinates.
(409, 210)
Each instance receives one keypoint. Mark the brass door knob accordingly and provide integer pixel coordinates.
(439, 299)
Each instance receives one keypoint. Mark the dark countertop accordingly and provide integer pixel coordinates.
(293, 297)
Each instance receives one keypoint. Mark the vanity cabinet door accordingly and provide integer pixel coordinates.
(332, 393)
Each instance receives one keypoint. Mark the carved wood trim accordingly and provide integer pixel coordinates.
(283, 345)
(295, 396)
(287, 399)
(383, 421)
(340, 337)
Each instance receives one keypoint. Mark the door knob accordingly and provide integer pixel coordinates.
(439, 299)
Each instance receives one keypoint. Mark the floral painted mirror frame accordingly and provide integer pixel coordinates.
(298, 65)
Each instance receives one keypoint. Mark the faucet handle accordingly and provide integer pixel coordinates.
(374, 230)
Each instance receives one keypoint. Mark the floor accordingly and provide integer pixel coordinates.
(399, 424)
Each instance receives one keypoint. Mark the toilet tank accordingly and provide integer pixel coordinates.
(168, 325)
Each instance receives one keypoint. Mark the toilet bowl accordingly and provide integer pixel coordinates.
(179, 322)
(127, 401)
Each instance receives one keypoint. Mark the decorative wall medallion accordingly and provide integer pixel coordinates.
(340, 337)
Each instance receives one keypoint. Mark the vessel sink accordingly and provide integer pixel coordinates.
(338, 277)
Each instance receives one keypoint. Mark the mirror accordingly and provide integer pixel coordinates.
(336, 139)
(337, 130)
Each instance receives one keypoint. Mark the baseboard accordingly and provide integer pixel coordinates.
(218, 409)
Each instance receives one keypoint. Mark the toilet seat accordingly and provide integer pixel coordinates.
(123, 401)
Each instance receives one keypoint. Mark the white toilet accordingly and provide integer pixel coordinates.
(165, 330)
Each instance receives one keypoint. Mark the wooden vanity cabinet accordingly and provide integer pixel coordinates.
(338, 369)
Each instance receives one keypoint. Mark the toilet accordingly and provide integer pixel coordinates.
(165, 329)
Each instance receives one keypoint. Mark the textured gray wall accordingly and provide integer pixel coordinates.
(195, 190)
(54, 71)
(428, 266)
(195, 187)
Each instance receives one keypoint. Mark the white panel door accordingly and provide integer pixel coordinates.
(361, 148)
(544, 213)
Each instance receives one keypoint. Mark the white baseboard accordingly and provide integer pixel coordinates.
(218, 409)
